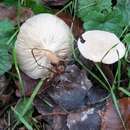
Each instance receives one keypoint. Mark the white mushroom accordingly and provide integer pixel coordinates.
(101, 46)
(43, 39)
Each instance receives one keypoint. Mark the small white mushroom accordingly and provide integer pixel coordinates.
(101, 46)
(43, 39)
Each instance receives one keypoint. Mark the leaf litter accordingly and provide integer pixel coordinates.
(69, 101)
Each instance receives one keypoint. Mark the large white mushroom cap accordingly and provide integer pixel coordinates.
(101, 46)
(42, 31)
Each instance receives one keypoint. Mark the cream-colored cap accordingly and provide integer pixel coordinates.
(47, 36)
(101, 46)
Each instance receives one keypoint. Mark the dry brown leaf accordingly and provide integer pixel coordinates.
(77, 24)
(3, 84)
(7, 12)
(110, 118)
(29, 85)
(55, 2)
(11, 13)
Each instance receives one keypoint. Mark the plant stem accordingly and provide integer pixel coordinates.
(21, 87)
(90, 72)
(64, 8)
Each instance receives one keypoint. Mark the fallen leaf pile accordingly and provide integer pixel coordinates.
(73, 99)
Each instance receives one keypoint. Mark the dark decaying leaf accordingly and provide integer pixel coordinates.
(110, 118)
(84, 120)
(55, 2)
(59, 122)
(70, 89)
(3, 84)
(22, 128)
(7, 12)
(107, 70)
(73, 90)
(3, 123)
(24, 14)
(6, 92)
(101, 119)
(10, 12)
(6, 99)
(41, 105)
(95, 95)
(76, 23)
(28, 83)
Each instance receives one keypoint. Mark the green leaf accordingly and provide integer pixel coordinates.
(100, 14)
(86, 6)
(10, 2)
(35, 91)
(125, 91)
(7, 31)
(36, 6)
(106, 26)
(127, 39)
(124, 6)
(5, 62)
(128, 69)
(6, 26)
(26, 103)
(4, 39)
(21, 118)
(97, 20)
(116, 104)
(20, 107)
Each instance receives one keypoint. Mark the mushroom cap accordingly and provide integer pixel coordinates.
(43, 32)
(101, 46)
